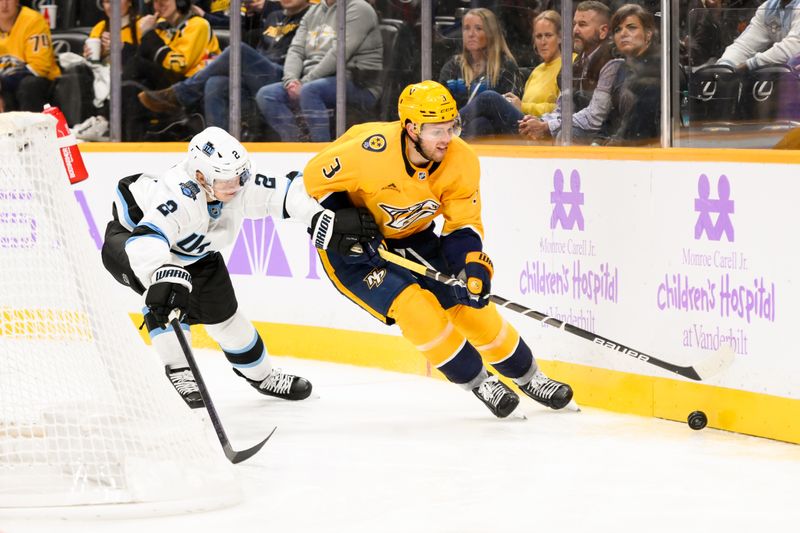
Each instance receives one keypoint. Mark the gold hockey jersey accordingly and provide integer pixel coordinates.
(29, 44)
(369, 164)
(191, 45)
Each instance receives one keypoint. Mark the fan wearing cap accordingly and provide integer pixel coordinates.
(405, 174)
(164, 242)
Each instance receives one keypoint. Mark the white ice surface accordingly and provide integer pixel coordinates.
(375, 451)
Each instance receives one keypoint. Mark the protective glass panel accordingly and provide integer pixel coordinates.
(739, 77)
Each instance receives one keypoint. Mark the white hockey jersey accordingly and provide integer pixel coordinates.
(172, 222)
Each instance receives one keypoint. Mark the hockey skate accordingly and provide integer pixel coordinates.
(548, 392)
(183, 381)
(500, 400)
(281, 385)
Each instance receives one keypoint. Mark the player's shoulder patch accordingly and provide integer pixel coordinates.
(190, 189)
(374, 143)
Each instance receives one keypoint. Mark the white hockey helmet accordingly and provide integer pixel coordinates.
(221, 159)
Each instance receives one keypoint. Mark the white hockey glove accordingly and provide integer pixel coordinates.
(339, 231)
(170, 290)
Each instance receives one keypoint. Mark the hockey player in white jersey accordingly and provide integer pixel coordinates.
(164, 243)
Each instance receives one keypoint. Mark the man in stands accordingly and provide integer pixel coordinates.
(772, 37)
(593, 73)
(260, 66)
(309, 74)
(27, 62)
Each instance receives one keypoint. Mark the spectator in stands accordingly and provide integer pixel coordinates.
(175, 44)
(593, 73)
(705, 32)
(216, 12)
(491, 112)
(95, 128)
(260, 66)
(485, 62)
(309, 73)
(27, 62)
(772, 37)
(130, 37)
(635, 115)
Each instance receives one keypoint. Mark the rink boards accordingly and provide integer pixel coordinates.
(670, 252)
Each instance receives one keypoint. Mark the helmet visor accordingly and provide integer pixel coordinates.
(233, 185)
(441, 130)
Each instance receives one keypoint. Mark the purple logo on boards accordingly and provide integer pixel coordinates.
(561, 199)
(17, 228)
(705, 206)
(258, 250)
(87, 214)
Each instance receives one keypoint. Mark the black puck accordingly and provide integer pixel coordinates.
(697, 420)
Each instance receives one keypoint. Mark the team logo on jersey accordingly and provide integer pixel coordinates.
(375, 143)
(375, 278)
(190, 189)
(402, 217)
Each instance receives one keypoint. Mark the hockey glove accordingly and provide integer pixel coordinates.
(477, 277)
(170, 290)
(367, 253)
(338, 232)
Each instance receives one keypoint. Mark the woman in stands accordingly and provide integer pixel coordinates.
(95, 128)
(130, 34)
(485, 62)
(635, 115)
(491, 112)
(175, 44)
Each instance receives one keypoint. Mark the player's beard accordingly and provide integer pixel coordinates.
(424, 153)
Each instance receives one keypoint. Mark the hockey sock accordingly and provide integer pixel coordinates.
(166, 342)
(423, 322)
(242, 346)
(496, 340)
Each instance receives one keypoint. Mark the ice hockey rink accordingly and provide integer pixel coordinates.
(375, 451)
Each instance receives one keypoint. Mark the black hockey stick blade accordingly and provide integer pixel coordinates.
(713, 365)
(232, 455)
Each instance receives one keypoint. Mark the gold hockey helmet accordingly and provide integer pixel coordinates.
(426, 102)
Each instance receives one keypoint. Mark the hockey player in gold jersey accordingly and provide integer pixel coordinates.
(405, 174)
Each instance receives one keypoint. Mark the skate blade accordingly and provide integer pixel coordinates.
(573, 406)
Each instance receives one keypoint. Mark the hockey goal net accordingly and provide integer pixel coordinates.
(86, 414)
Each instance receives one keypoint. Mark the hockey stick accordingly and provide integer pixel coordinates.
(232, 455)
(705, 369)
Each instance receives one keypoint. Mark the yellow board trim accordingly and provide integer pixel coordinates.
(749, 413)
(610, 153)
